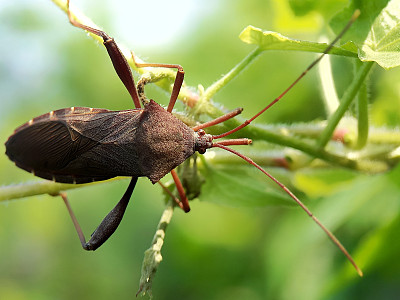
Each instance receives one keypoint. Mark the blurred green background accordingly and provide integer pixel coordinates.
(215, 251)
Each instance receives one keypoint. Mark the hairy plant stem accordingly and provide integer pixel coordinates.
(259, 132)
(40, 187)
(224, 80)
(152, 256)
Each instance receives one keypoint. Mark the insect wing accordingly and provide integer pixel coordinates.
(76, 145)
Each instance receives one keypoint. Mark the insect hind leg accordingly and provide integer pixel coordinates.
(109, 224)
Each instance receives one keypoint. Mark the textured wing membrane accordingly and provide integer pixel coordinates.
(47, 145)
(75, 145)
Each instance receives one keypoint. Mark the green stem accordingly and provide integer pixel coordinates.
(362, 114)
(152, 256)
(382, 136)
(224, 80)
(330, 97)
(42, 187)
(259, 132)
(344, 105)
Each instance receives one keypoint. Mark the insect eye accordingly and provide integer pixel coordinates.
(202, 151)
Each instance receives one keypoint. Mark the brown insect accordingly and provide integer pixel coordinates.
(81, 145)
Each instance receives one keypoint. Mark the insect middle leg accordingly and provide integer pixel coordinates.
(185, 207)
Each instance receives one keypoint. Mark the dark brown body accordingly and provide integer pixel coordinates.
(80, 145)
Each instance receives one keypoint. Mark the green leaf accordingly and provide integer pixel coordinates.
(302, 7)
(324, 8)
(323, 182)
(376, 33)
(369, 202)
(269, 40)
(242, 186)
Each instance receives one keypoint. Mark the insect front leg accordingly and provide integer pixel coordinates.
(117, 58)
(109, 224)
(177, 84)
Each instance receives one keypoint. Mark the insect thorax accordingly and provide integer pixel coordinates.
(164, 141)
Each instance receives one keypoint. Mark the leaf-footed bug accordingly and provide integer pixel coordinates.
(81, 145)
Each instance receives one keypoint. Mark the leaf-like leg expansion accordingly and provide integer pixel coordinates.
(109, 224)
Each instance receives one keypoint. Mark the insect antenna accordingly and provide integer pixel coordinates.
(223, 144)
(353, 18)
(309, 213)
